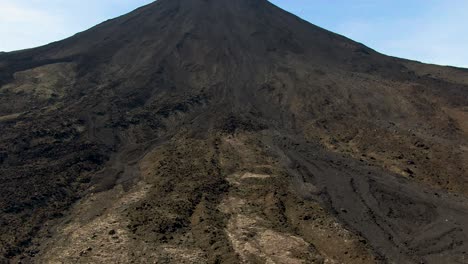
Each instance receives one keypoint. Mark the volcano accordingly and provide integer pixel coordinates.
(229, 131)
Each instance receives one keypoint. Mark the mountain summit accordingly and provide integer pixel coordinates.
(229, 131)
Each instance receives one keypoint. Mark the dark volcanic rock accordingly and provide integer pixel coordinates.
(205, 131)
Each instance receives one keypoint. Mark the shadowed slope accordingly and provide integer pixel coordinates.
(210, 130)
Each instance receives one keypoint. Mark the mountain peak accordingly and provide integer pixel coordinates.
(228, 131)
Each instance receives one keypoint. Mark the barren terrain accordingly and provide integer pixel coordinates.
(229, 131)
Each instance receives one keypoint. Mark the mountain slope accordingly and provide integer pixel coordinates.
(225, 131)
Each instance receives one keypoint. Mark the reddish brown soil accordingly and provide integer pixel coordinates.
(228, 131)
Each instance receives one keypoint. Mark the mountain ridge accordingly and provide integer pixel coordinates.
(217, 132)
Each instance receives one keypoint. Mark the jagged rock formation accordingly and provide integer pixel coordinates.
(229, 131)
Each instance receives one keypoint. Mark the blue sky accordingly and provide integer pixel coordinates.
(433, 31)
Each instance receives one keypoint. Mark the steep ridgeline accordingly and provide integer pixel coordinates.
(229, 131)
